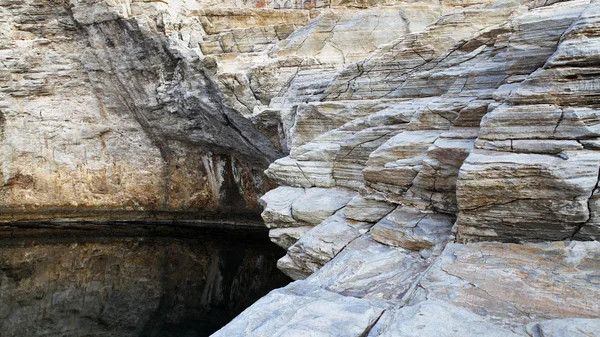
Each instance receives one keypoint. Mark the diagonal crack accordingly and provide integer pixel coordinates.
(372, 325)
(367, 141)
(305, 176)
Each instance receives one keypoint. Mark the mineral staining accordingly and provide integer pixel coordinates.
(437, 162)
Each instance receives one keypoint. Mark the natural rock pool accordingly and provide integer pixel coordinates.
(131, 280)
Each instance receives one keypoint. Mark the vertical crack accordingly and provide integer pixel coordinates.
(560, 119)
(589, 204)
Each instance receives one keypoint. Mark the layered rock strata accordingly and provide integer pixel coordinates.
(102, 110)
(400, 133)
(450, 130)
(478, 127)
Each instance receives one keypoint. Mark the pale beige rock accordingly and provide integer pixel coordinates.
(541, 191)
(490, 114)
(393, 166)
(397, 61)
(301, 174)
(369, 210)
(120, 115)
(413, 230)
(540, 122)
(513, 284)
(536, 34)
(580, 45)
(435, 184)
(315, 119)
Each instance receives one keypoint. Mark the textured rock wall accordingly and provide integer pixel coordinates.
(101, 110)
(399, 133)
(474, 122)
(450, 126)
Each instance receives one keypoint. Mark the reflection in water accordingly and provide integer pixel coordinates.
(178, 281)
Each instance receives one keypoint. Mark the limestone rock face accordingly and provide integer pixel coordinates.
(400, 135)
(479, 125)
(467, 119)
(102, 109)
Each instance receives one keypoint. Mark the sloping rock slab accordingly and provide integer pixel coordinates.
(517, 284)
(321, 244)
(369, 269)
(436, 319)
(572, 327)
(301, 310)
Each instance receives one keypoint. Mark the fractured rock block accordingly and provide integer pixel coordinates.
(369, 269)
(434, 319)
(317, 204)
(393, 166)
(277, 206)
(369, 210)
(508, 195)
(323, 242)
(302, 309)
(413, 230)
(286, 237)
(514, 285)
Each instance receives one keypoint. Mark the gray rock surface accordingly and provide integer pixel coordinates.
(320, 244)
(413, 230)
(400, 135)
(317, 204)
(436, 319)
(480, 289)
(303, 310)
(575, 327)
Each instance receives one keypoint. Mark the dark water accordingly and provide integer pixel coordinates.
(147, 281)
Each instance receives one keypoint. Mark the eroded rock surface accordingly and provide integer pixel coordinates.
(400, 135)
(454, 122)
(103, 109)
(479, 126)
(478, 289)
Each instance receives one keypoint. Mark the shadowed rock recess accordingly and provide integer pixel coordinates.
(430, 167)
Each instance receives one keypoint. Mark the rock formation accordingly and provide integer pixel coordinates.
(437, 161)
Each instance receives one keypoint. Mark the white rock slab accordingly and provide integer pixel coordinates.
(317, 204)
